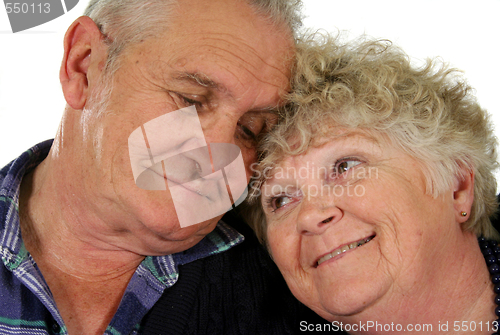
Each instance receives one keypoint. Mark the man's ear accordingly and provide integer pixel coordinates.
(83, 50)
(463, 195)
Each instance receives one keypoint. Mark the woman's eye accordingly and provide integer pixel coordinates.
(278, 202)
(344, 166)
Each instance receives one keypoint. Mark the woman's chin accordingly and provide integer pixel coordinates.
(336, 301)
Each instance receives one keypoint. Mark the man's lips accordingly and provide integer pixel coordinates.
(342, 249)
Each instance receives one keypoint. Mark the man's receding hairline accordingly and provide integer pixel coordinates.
(128, 22)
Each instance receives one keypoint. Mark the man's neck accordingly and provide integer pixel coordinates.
(57, 232)
(86, 275)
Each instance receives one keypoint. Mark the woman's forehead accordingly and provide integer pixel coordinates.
(319, 151)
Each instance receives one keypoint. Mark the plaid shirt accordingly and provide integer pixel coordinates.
(26, 302)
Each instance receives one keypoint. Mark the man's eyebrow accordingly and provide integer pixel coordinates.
(199, 79)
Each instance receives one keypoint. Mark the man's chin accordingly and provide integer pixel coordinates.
(182, 238)
(167, 247)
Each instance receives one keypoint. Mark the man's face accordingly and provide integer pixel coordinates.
(217, 55)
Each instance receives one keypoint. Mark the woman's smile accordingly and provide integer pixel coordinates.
(337, 253)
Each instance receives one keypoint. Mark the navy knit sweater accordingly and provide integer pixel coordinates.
(240, 291)
(237, 292)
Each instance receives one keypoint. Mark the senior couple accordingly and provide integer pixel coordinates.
(88, 249)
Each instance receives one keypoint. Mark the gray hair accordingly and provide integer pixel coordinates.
(128, 22)
(429, 112)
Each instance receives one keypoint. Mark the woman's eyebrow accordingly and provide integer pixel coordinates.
(358, 134)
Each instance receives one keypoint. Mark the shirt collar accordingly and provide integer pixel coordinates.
(12, 249)
(11, 245)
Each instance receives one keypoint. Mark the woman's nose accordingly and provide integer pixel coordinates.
(317, 215)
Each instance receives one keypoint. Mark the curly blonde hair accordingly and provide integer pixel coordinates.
(429, 112)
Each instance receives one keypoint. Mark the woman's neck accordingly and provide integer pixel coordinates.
(456, 300)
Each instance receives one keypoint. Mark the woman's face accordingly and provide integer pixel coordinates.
(350, 224)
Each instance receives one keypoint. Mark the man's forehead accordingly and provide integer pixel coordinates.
(246, 63)
(232, 29)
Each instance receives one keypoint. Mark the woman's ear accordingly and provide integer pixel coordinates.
(83, 47)
(463, 195)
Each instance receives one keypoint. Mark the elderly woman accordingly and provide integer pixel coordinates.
(374, 196)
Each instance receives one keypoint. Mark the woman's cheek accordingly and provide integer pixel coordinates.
(283, 249)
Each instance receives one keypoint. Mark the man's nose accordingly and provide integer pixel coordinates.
(219, 129)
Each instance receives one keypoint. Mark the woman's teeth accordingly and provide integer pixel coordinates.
(344, 249)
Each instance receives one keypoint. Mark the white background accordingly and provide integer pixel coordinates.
(464, 33)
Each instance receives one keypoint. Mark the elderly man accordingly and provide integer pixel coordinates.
(85, 250)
